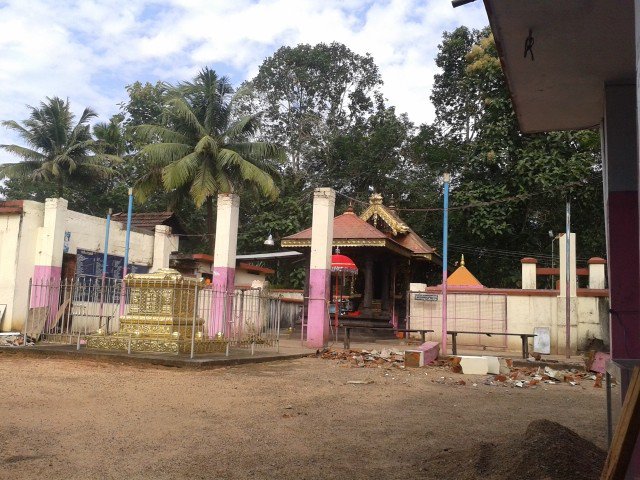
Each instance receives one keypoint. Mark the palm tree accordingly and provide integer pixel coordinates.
(57, 149)
(110, 136)
(201, 151)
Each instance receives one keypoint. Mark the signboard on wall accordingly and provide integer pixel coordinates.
(427, 297)
(90, 263)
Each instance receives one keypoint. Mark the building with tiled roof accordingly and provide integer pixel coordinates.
(388, 253)
(377, 226)
(149, 220)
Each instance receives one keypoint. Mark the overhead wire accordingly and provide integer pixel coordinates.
(513, 198)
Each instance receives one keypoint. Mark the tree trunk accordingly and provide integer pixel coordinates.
(60, 187)
(210, 233)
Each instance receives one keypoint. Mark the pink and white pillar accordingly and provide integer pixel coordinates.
(224, 264)
(48, 260)
(324, 200)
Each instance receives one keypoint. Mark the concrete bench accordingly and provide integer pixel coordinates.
(524, 336)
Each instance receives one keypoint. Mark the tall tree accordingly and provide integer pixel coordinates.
(200, 150)
(310, 92)
(517, 184)
(58, 149)
(372, 154)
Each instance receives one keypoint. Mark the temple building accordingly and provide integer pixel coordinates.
(389, 256)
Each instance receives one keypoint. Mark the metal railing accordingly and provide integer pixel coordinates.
(68, 310)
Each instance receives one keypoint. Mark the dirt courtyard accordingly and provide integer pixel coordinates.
(299, 419)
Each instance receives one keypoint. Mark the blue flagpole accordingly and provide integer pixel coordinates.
(445, 260)
(126, 250)
(104, 267)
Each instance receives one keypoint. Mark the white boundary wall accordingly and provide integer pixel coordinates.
(24, 235)
(525, 310)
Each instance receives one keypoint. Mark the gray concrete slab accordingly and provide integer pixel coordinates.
(205, 361)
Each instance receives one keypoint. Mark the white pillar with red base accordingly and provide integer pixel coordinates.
(224, 264)
(318, 333)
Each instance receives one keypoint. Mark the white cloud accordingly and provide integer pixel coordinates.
(88, 50)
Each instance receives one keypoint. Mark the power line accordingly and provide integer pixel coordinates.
(513, 198)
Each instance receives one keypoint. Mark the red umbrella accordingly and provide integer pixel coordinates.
(341, 264)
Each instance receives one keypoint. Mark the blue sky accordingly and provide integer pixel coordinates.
(89, 50)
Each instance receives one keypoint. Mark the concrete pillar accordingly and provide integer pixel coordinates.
(620, 170)
(529, 274)
(563, 265)
(324, 200)
(163, 244)
(48, 259)
(224, 264)
(596, 272)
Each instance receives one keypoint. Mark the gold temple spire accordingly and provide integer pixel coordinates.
(462, 260)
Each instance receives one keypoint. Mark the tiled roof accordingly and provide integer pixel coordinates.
(347, 225)
(351, 226)
(11, 206)
(413, 242)
(149, 220)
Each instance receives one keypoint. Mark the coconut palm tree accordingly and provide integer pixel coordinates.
(201, 151)
(110, 136)
(57, 149)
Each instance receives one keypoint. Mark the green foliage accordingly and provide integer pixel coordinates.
(308, 92)
(199, 150)
(57, 149)
(287, 214)
(496, 162)
(182, 145)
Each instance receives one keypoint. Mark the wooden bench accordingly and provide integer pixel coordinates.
(524, 336)
(348, 328)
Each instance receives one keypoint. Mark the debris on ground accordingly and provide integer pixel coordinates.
(524, 377)
(359, 382)
(15, 340)
(529, 376)
(365, 358)
(546, 451)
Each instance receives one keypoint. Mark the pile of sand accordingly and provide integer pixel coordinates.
(546, 451)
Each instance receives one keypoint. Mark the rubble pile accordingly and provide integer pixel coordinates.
(386, 357)
(16, 340)
(509, 375)
(525, 377)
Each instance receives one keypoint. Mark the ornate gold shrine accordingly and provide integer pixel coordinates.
(161, 317)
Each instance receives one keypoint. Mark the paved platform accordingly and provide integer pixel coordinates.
(237, 356)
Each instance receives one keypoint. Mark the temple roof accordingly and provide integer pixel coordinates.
(378, 226)
(463, 277)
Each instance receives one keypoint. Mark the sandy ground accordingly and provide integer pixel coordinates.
(293, 419)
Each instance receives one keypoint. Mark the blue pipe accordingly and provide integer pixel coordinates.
(128, 236)
(106, 247)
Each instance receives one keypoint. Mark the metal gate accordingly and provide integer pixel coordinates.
(465, 312)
